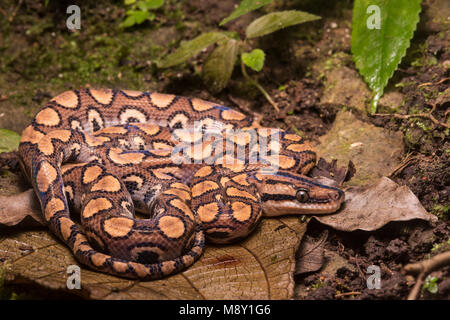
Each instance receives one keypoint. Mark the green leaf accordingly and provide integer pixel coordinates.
(254, 59)
(190, 48)
(129, 22)
(140, 16)
(381, 33)
(128, 2)
(277, 20)
(9, 140)
(219, 66)
(142, 6)
(154, 4)
(245, 7)
(431, 284)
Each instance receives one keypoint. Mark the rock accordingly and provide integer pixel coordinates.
(345, 87)
(391, 100)
(355, 140)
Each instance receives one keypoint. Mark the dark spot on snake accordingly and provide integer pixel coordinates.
(177, 125)
(237, 239)
(95, 125)
(131, 186)
(148, 257)
(94, 243)
(218, 234)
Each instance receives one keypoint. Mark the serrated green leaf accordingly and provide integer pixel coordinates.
(219, 65)
(381, 33)
(277, 20)
(190, 48)
(254, 59)
(9, 140)
(245, 7)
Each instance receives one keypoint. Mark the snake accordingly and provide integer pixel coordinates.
(135, 182)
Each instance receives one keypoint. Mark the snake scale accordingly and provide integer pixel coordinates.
(94, 156)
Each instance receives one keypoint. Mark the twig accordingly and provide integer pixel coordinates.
(431, 83)
(258, 86)
(427, 115)
(11, 18)
(405, 162)
(3, 12)
(424, 268)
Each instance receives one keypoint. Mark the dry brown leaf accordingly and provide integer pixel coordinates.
(310, 254)
(331, 171)
(14, 209)
(370, 208)
(260, 267)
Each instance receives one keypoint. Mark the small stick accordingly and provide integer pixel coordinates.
(431, 83)
(405, 162)
(424, 268)
(258, 86)
(418, 115)
(11, 18)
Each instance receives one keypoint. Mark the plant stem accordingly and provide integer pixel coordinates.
(258, 86)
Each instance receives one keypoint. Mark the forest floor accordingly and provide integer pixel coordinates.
(310, 74)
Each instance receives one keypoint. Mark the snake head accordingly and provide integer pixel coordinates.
(289, 193)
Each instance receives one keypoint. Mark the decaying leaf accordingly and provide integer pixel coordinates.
(16, 208)
(330, 170)
(310, 254)
(260, 267)
(370, 208)
(219, 66)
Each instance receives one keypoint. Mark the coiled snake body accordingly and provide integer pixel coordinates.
(105, 153)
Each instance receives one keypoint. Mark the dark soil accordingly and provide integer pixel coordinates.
(290, 76)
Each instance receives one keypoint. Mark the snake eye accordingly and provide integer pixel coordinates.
(302, 195)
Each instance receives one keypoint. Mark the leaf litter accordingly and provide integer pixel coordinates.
(260, 267)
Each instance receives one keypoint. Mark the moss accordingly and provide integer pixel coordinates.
(441, 211)
(318, 284)
(94, 55)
